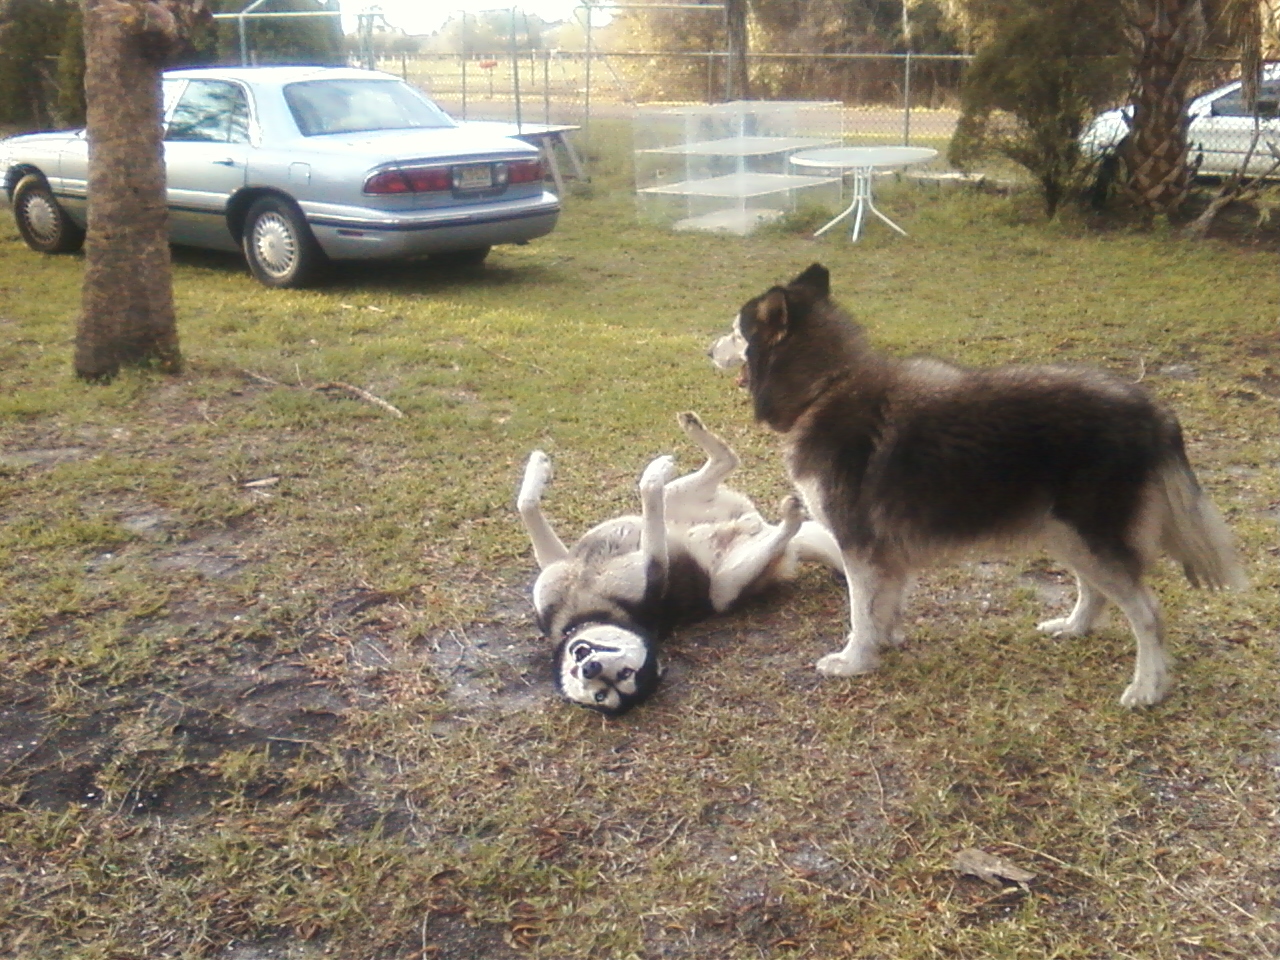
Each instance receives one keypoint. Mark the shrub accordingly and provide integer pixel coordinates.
(1047, 68)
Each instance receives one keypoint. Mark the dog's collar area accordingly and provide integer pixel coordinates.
(571, 632)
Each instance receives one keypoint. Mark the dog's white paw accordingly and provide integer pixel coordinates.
(537, 473)
(792, 514)
(839, 665)
(1061, 627)
(658, 474)
(1148, 690)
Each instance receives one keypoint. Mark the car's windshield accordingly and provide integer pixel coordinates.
(351, 106)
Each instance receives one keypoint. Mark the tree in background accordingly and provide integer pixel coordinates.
(1166, 35)
(1173, 43)
(127, 313)
(42, 52)
(737, 76)
(69, 106)
(489, 32)
(813, 27)
(32, 35)
(305, 40)
(1044, 70)
(673, 31)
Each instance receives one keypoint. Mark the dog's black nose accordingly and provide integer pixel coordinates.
(591, 670)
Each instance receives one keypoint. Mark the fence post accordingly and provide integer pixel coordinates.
(906, 100)
(586, 96)
(906, 77)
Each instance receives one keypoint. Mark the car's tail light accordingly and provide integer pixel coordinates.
(524, 171)
(410, 180)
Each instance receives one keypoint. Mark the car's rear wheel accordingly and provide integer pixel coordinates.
(462, 258)
(43, 224)
(279, 246)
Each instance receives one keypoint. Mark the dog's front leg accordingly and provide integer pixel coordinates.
(547, 548)
(875, 595)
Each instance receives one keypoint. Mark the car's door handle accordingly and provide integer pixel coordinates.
(228, 162)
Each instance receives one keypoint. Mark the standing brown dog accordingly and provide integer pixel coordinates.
(907, 461)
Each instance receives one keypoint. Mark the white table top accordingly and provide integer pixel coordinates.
(740, 146)
(507, 129)
(863, 156)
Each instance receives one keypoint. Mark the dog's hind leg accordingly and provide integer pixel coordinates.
(547, 548)
(813, 541)
(1152, 674)
(875, 596)
(748, 562)
(1122, 584)
(1090, 602)
(701, 497)
(702, 485)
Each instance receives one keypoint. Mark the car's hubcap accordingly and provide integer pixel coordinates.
(275, 245)
(41, 218)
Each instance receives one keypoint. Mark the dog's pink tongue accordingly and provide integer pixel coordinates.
(742, 378)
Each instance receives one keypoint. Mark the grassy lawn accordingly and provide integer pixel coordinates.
(269, 684)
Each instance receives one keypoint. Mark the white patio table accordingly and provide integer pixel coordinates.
(862, 162)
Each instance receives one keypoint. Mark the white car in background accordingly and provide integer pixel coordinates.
(296, 166)
(1220, 129)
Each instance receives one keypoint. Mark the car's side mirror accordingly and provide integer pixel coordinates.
(1268, 108)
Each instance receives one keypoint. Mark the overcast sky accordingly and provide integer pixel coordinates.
(424, 16)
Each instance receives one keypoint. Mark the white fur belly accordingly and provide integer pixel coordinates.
(709, 543)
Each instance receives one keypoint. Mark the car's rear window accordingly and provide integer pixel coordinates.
(355, 106)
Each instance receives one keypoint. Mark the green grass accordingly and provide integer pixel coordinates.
(312, 714)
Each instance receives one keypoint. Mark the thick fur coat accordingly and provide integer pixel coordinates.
(909, 460)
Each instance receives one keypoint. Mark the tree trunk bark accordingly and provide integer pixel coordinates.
(127, 313)
(737, 78)
(1166, 34)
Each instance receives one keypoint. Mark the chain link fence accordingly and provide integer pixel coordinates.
(888, 99)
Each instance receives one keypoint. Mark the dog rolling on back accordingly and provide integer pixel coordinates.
(696, 548)
(907, 461)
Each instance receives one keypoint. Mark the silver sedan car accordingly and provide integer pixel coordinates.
(1221, 132)
(296, 166)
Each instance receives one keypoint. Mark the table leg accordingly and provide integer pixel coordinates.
(873, 209)
(547, 147)
(857, 204)
(578, 172)
(862, 202)
(861, 181)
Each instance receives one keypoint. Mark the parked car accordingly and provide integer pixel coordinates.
(295, 166)
(1220, 129)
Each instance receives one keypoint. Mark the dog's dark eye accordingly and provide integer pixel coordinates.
(625, 673)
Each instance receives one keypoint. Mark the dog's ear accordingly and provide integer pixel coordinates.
(771, 317)
(817, 279)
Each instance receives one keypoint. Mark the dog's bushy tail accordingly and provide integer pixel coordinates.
(1195, 534)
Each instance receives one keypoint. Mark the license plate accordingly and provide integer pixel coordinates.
(476, 176)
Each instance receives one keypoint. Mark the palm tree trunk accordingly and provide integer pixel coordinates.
(127, 313)
(1166, 34)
